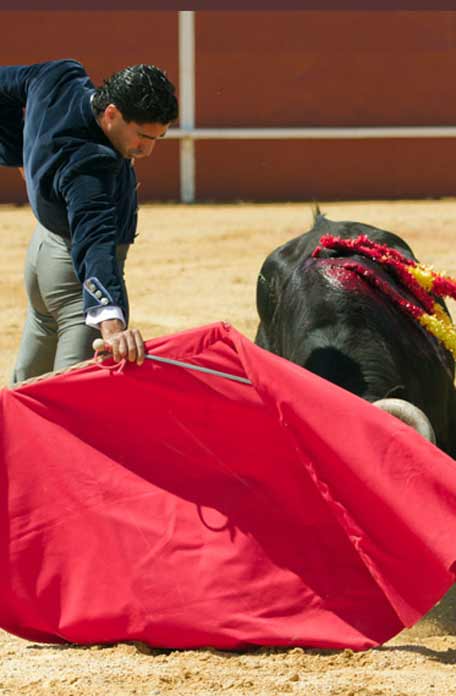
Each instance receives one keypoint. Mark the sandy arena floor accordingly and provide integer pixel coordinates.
(193, 265)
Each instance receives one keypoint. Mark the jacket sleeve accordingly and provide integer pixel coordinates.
(14, 83)
(87, 188)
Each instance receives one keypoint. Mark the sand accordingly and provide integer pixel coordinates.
(192, 265)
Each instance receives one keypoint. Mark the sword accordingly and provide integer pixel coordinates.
(98, 345)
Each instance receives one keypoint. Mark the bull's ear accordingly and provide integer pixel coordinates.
(265, 299)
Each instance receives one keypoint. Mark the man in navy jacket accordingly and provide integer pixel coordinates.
(77, 146)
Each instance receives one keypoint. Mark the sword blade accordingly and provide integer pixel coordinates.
(197, 368)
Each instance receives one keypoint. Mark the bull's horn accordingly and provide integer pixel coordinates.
(410, 414)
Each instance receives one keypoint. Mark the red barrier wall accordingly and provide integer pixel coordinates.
(104, 42)
(326, 68)
(274, 69)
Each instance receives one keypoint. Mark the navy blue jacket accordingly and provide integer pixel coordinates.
(78, 185)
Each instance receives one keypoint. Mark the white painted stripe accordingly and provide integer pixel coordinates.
(187, 170)
(314, 133)
(187, 104)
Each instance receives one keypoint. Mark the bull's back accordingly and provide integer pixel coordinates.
(278, 266)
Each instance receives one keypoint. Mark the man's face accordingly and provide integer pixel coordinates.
(132, 140)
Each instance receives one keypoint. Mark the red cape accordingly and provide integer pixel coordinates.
(165, 505)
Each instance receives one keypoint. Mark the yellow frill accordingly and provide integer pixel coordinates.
(439, 325)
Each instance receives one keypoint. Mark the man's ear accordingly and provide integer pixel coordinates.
(111, 112)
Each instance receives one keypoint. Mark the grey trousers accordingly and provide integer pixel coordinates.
(55, 334)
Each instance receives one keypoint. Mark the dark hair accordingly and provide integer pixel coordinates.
(142, 93)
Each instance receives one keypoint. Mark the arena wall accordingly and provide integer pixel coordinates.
(277, 69)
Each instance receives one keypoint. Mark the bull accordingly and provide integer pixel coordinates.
(318, 312)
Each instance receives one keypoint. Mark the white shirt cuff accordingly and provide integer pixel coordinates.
(98, 314)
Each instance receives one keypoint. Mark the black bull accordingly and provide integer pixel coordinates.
(350, 333)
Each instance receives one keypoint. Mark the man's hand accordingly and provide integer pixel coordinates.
(124, 343)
